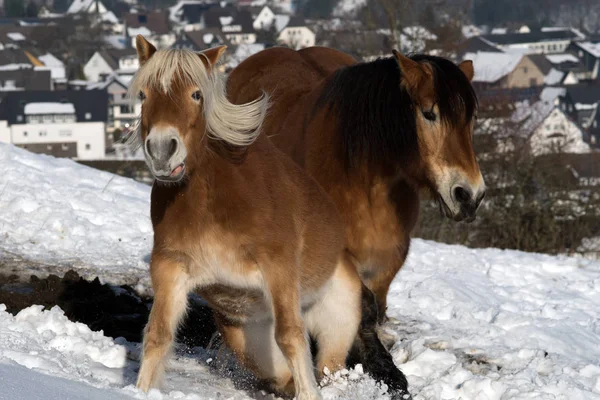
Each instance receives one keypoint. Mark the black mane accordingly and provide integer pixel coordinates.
(376, 116)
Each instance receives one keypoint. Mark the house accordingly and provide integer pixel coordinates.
(296, 34)
(25, 79)
(105, 62)
(60, 123)
(586, 100)
(492, 69)
(235, 24)
(122, 114)
(201, 40)
(542, 41)
(476, 44)
(589, 55)
(570, 65)
(549, 129)
(154, 26)
(187, 14)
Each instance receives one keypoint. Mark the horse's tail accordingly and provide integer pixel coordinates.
(371, 353)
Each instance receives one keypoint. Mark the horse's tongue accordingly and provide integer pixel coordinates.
(177, 171)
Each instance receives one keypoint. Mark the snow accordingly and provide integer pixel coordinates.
(281, 21)
(561, 58)
(16, 36)
(225, 20)
(554, 77)
(592, 48)
(49, 108)
(348, 7)
(490, 67)
(208, 38)
(79, 6)
(57, 67)
(469, 324)
(242, 52)
(142, 30)
(469, 31)
(58, 212)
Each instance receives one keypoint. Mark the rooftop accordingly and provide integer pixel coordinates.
(49, 108)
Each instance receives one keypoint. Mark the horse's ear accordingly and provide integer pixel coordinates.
(144, 48)
(467, 68)
(214, 54)
(414, 75)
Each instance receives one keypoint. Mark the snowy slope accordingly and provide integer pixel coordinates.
(57, 212)
(470, 324)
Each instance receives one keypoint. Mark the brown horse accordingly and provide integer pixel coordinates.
(373, 135)
(255, 235)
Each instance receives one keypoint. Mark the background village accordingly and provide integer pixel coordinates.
(65, 66)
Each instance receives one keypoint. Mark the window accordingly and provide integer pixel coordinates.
(88, 116)
(88, 146)
(533, 82)
(49, 147)
(47, 118)
(125, 109)
(19, 118)
(64, 133)
(25, 133)
(525, 70)
(43, 133)
(580, 53)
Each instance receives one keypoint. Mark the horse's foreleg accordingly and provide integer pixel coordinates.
(290, 334)
(170, 283)
(334, 320)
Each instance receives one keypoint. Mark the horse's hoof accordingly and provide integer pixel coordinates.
(386, 338)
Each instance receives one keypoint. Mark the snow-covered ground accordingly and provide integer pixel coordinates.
(470, 324)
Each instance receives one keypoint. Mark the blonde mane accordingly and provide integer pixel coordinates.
(238, 125)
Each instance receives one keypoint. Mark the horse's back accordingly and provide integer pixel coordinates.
(325, 60)
(281, 71)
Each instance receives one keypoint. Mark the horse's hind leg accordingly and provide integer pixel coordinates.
(170, 284)
(255, 347)
(334, 320)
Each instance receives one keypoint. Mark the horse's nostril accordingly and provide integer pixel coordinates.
(462, 195)
(172, 147)
(480, 199)
(148, 151)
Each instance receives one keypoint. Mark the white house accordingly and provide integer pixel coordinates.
(53, 128)
(296, 35)
(548, 127)
(106, 62)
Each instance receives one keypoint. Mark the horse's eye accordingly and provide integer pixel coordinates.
(429, 115)
(141, 96)
(197, 95)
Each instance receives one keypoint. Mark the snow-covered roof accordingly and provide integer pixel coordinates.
(554, 77)
(281, 21)
(50, 60)
(592, 48)
(561, 58)
(14, 67)
(552, 93)
(469, 31)
(142, 30)
(109, 17)
(49, 108)
(16, 36)
(78, 6)
(499, 31)
(490, 67)
(532, 115)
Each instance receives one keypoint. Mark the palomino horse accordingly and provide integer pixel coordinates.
(255, 235)
(373, 135)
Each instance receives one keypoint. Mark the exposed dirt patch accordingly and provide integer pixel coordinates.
(116, 310)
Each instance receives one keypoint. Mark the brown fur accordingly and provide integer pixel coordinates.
(379, 207)
(259, 240)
